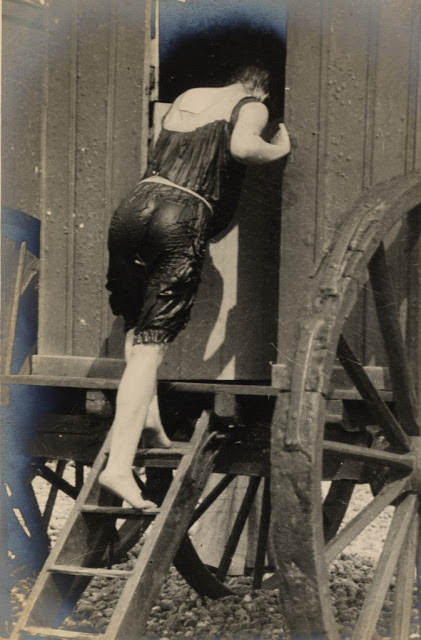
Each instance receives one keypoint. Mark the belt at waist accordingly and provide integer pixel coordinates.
(161, 180)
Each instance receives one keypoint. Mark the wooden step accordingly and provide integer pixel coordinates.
(74, 570)
(86, 382)
(155, 457)
(61, 634)
(143, 583)
(118, 512)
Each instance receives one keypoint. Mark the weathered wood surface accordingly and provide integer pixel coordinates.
(94, 144)
(78, 142)
(24, 46)
(143, 584)
(351, 107)
(299, 422)
(352, 128)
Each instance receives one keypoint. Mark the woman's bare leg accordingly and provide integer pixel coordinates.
(134, 396)
(128, 344)
(154, 433)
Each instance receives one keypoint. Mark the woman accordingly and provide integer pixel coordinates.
(157, 241)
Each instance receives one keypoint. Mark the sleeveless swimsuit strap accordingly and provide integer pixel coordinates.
(169, 183)
(236, 110)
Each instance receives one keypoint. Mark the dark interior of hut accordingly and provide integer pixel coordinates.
(210, 58)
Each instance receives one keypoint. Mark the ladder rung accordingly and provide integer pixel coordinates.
(177, 449)
(119, 512)
(89, 571)
(61, 634)
(167, 458)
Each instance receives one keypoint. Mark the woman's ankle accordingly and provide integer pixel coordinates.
(155, 436)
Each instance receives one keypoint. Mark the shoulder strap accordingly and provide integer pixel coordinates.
(236, 111)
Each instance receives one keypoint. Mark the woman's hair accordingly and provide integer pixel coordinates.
(252, 77)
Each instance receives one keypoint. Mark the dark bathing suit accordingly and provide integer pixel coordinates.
(158, 234)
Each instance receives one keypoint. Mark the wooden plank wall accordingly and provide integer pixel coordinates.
(95, 149)
(96, 113)
(353, 109)
(24, 44)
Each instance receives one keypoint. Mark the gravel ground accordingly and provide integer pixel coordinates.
(180, 613)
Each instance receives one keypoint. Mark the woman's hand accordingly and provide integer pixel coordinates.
(247, 143)
(281, 137)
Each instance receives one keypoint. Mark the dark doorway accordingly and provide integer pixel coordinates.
(233, 331)
(203, 42)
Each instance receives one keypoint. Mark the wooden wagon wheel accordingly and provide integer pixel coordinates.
(212, 582)
(306, 453)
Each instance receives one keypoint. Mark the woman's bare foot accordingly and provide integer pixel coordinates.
(153, 437)
(126, 488)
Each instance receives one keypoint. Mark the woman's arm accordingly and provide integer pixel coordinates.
(247, 144)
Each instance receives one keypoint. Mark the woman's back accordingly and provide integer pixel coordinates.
(193, 149)
(198, 107)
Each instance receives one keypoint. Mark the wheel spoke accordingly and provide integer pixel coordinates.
(373, 604)
(52, 495)
(364, 454)
(259, 565)
(381, 412)
(392, 336)
(211, 497)
(405, 580)
(387, 495)
(79, 475)
(237, 529)
(56, 480)
(335, 505)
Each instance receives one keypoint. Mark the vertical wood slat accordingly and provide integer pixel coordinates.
(417, 80)
(413, 121)
(110, 97)
(58, 181)
(130, 128)
(300, 179)
(109, 164)
(94, 25)
(349, 149)
(392, 89)
(72, 181)
(24, 40)
(344, 93)
(91, 94)
(370, 92)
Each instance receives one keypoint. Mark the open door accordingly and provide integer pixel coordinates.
(232, 334)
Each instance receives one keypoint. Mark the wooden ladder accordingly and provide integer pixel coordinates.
(65, 573)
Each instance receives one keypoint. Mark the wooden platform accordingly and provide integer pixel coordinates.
(341, 387)
(112, 383)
